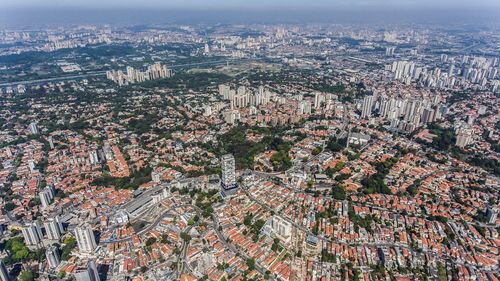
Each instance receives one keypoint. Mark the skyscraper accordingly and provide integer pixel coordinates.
(85, 238)
(54, 228)
(52, 255)
(32, 233)
(4, 273)
(228, 177)
(366, 110)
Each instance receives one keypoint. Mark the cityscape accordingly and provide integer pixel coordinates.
(252, 150)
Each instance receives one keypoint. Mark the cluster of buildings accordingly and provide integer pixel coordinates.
(132, 75)
(55, 39)
(404, 114)
(266, 107)
(54, 231)
(147, 191)
(242, 97)
(450, 73)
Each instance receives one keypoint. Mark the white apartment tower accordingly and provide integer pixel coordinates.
(85, 238)
(366, 109)
(33, 128)
(228, 177)
(46, 196)
(52, 255)
(32, 233)
(54, 228)
(282, 228)
(224, 91)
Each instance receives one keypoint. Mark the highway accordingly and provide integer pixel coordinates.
(54, 79)
(103, 72)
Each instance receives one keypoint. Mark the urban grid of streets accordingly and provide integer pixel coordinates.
(249, 152)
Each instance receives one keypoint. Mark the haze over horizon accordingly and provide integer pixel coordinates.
(257, 4)
(17, 13)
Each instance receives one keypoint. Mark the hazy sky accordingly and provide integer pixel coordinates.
(254, 4)
(34, 13)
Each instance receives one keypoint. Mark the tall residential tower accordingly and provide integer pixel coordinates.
(228, 177)
(85, 238)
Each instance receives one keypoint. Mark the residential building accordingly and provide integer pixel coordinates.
(85, 238)
(32, 233)
(228, 175)
(52, 254)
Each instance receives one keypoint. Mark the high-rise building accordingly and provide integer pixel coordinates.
(282, 228)
(54, 228)
(31, 165)
(304, 107)
(464, 137)
(94, 157)
(491, 215)
(232, 116)
(240, 100)
(32, 233)
(318, 99)
(411, 109)
(52, 254)
(228, 176)
(224, 91)
(88, 274)
(46, 196)
(85, 238)
(207, 110)
(33, 128)
(366, 109)
(4, 273)
(428, 115)
(51, 142)
(158, 71)
(132, 75)
(345, 208)
(242, 90)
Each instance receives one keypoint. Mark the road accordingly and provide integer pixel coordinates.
(309, 232)
(182, 262)
(231, 247)
(103, 72)
(147, 228)
(349, 243)
(54, 79)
